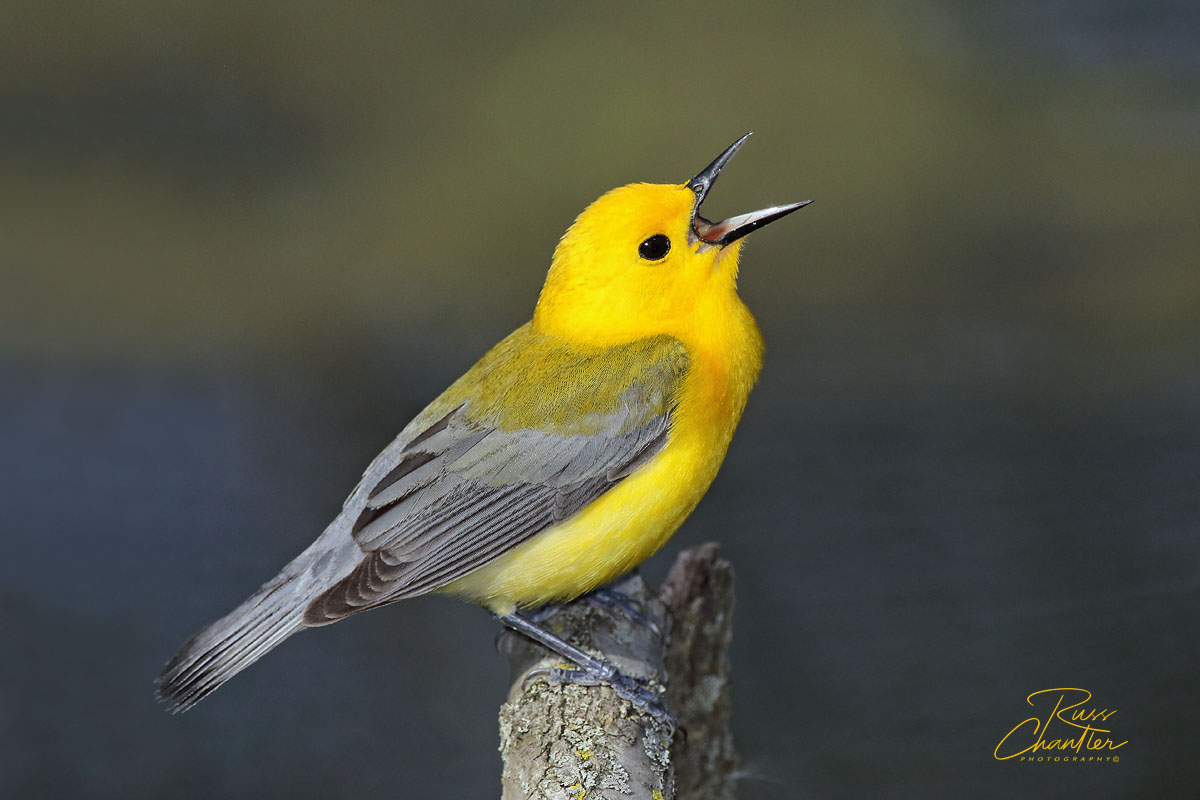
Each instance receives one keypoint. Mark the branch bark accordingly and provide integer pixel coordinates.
(565, 741)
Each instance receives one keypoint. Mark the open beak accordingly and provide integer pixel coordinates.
(731, 229)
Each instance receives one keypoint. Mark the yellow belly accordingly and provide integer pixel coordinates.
(609, 537)
(631, 521)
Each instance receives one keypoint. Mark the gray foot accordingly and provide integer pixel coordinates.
(619, 601)
(591, 671)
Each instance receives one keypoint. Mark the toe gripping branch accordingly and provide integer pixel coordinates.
(623, 622)
(577, 740)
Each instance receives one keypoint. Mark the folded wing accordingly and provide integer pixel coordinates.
(472, 485)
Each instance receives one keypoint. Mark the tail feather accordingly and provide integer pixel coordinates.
(226, 647)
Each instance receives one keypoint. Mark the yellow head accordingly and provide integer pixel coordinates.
(641, 261)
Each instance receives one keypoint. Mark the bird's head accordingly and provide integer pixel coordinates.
(642, 260)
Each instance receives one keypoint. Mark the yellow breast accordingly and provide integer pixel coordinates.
(630, 522)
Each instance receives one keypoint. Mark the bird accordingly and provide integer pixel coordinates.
(565, 457)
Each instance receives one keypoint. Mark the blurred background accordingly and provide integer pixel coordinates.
(242, 244)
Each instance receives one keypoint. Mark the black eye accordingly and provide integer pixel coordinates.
(655, 247)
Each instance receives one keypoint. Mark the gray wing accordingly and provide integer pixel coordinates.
(463, 493)
(464, 482)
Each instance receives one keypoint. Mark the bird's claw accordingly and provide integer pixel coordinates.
(613, 600)
(636, 691)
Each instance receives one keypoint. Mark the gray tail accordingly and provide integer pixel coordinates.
(226, 647)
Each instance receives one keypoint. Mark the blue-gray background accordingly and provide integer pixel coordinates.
(241, 244)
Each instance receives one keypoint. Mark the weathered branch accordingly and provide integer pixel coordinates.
(565, 741)
(698, 593)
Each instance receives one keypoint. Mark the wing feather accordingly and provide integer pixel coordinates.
(466, 487)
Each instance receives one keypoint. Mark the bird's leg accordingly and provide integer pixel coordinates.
(591, 670)
(542, 613)
(613, 600)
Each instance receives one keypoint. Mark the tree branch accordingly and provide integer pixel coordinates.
(565, 741)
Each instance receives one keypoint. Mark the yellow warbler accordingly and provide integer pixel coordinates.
(569, 454)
